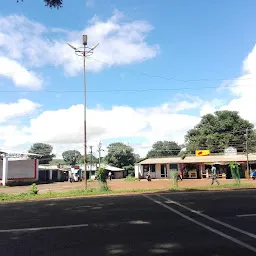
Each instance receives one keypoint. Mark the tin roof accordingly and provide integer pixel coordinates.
(199, 159)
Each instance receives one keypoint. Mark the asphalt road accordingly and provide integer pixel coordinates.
(191, 223)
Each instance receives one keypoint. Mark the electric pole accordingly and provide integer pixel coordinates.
(84, 52)
(246, 148)
(99, 150)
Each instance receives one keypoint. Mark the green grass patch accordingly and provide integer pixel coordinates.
(130, 179)
(28, 196)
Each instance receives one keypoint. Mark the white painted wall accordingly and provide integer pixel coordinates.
(138, 171)
(158, 171)
(21, 170)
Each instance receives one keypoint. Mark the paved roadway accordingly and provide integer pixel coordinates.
(181, 223)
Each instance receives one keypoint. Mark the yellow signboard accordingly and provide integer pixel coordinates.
(202, 152)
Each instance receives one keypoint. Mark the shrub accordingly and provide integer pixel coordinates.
(130, 178)
(102, 179)
(101, 175)
(234, 168)
(130, 170)
(34, 190)
(174, 177)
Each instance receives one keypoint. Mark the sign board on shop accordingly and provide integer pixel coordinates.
(230, 151)
(202, 152)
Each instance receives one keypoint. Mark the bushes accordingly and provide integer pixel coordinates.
(130, 170)
(34, 190)
(102, 179)
(234, 168)
(174, 175)
(130, 178)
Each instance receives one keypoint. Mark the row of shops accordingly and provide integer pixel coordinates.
(194, 167)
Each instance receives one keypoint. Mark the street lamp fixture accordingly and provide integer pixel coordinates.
(84, 52)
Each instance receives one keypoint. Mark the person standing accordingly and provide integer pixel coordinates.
(179, 176)
(110, 175)
(214, 175)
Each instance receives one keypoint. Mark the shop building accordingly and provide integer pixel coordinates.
(194, 167)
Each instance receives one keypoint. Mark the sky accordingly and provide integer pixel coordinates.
(158, 68)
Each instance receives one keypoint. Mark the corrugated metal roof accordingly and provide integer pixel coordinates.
(112, 168)
(199, 159)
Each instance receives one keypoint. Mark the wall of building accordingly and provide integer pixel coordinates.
(118, 175)
(21, 170)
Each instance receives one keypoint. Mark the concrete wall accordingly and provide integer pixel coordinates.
(21, 170)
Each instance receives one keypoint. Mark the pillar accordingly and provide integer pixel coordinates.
(50, 174)
(5, 170)
(58, 175)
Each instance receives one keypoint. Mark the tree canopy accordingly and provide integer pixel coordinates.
(50, 3)
(42, 149)
(120, 155)
(89, 159)
(164, 148)
(220, 130)
(71, 157)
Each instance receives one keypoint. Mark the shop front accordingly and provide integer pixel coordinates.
(193, 167)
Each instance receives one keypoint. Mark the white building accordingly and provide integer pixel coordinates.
(16, 167)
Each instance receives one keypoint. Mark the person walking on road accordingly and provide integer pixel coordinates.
(214, 175)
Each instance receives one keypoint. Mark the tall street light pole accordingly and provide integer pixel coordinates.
(84, 52)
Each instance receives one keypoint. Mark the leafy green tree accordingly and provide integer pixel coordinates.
(50, 3)
(164, 148)
(220, 130)
(71, 157)
(130, 170)
(57, 161)
(120, 155)
(45, 150)
(89, 158)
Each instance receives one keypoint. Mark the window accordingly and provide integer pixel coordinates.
(149, 167)
(173, 167)
(152, 167)
(145, 168)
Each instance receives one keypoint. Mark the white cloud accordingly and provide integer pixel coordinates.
(17, 109)
(20, 75)
(244, 89)
(120, 42)
(64, 128)
(12, 137)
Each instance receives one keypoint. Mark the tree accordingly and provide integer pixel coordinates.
(120, 155)
(71, 157)
(164, 148)
(45, 150)
(89, 158)
(50, 3)
(220, 130)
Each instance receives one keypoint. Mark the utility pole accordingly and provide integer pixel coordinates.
(246, 148)
(84, 56)
(91, 160)
(99, 150)
(84, 52)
